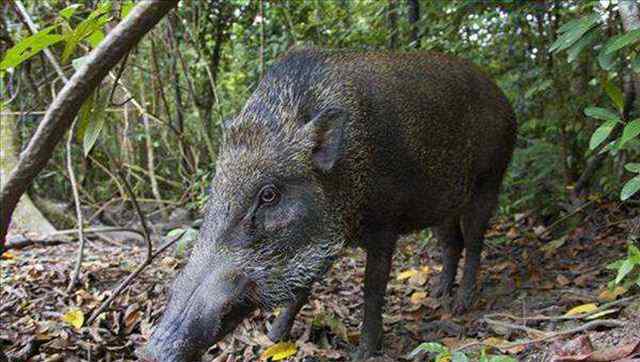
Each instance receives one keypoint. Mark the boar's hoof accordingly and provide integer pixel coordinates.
(281, 328)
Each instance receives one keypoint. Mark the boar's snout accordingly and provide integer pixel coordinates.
(200, 312)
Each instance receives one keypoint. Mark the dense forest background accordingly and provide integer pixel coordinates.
(143, 149)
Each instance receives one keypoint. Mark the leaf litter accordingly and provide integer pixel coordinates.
(536, 285)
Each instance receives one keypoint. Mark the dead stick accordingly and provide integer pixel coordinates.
(610, 323)
(125, 283)
(623, 301)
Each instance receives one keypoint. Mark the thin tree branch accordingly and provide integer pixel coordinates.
(125, 283)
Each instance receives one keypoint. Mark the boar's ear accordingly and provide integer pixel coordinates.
(325, 132)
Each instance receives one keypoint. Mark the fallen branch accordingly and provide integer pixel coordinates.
(623, 301)
(125, 283)
(50, 239)
(608, 323)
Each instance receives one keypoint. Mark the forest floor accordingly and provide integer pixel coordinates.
(528, 286)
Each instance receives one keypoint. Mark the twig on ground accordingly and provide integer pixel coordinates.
(125, 283)
(623, 301)
(609, 323)
(75, 274)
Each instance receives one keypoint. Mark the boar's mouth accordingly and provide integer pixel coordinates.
(194, 321)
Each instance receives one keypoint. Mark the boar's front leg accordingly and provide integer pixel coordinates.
(282, 325)
(379, 255)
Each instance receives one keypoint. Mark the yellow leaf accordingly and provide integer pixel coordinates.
(495, 342)
(582, 309)
(418, 297)
(407, 274)
(74, 317)
(279, 351)
(611, 295)
(8, 255)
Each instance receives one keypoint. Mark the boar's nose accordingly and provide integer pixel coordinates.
(200, 312)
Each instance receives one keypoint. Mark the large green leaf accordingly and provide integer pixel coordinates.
(30, 46)
(625, 268)
(573, 31)
(615, 94)
(586, 41)
(87, 29)
(606, 61)
(96, 122)
(633, 167)
(630, 188)
(68, 12)
(602, 114)
(631, 131)
(601, 134)
(620, 41)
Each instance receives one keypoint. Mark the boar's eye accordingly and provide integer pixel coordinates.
(269, 195)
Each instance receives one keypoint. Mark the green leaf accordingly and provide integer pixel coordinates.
(606, 61)
(96, 124)
(84, 117)
(30, 46)
(620, 41)
(502, 359)
(625, 269)
(96, 38)
(602, 114)
(633, 167)
(127, 7)
(630, 188)
(615, 94)
(573, 31)
(459, 357)
(586, 41)
(86, 30)
(631, 131)
(601, 134)
(635, 64)
(615, 265)
(634, 254)
(429, 347)
(68, 12)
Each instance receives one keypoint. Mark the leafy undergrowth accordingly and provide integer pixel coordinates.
(528, 288)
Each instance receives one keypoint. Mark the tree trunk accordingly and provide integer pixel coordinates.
(26, 217)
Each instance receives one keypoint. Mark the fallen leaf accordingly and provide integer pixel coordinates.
(582, 309)
(279, 351)
(553, 245)
(418, 297)
(562, 280)
(74, 317)
(407, 274)
(616, 353)
(7, 255)
(611, 295)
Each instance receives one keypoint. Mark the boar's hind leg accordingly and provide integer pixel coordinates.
(475, 221)
(379, 254)
(450, 237)
(282, 325)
